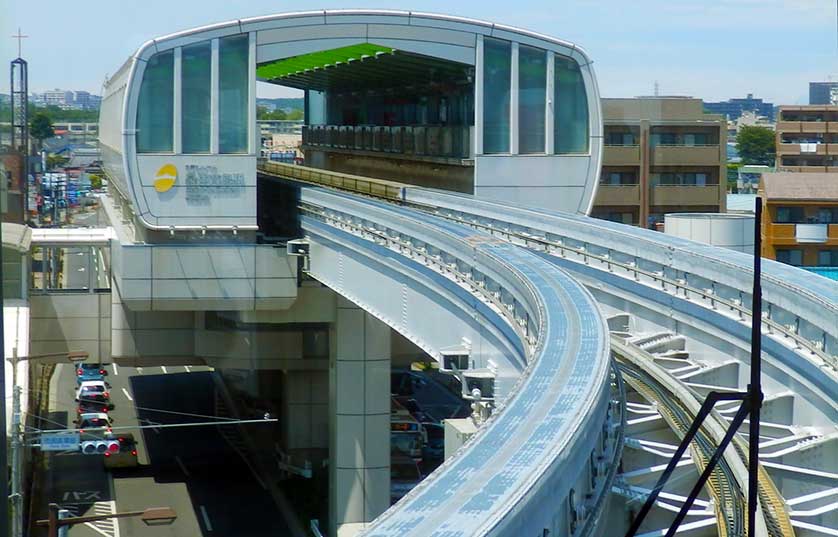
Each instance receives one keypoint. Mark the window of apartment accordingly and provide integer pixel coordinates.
(233, 58)
(828, 215)
(195, 99)
(497, 75)
(532, 99)
(663, 138)
(680, 178)
(620, 138)
(828, 258)
(790, 257)
(618, 178)
(155, 106)
(790, 215)
(570, 108)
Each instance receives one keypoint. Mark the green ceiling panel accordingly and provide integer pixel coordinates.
(318, 60)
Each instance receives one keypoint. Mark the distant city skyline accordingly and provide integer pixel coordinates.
(710, 51)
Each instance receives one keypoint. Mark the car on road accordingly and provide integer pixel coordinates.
(93, 421)
(404, 476)
(88, 371)
(126, 457)
(87, 406)
(93, 390)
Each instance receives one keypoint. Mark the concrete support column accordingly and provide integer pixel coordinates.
(359, 399)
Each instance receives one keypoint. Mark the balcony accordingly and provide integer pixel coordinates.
(621, 155)
(419, 141)
(686, 155)
(811, 233)
(796, 149)
(686, 195)
(617, 195)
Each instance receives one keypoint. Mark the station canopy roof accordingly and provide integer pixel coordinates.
(361, 66)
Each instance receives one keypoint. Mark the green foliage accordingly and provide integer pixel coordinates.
(295, 114)
(95, 181)
(262, 112)
(756, 145)
(55, 113)
(56, 161)
(40, 127)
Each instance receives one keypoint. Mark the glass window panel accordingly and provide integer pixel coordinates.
(232, 96)
(195, 104)
(571, 108)
(155, 106)
(532, 99)
(497, 76)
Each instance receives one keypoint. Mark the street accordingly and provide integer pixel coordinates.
(194, 470)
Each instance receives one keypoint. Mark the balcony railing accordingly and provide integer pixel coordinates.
(415, 140)
(811, 233)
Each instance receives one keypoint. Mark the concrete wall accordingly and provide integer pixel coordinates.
(77, 322)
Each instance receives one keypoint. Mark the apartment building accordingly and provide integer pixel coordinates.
(807, 138)
(800, 220)
(661, 155)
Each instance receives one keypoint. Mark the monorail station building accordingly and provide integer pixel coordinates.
(305, 286)
(200, 260)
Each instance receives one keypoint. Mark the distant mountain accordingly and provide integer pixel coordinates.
(283, 103)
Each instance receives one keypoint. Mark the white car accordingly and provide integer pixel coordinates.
(93, 420)
(93, 390)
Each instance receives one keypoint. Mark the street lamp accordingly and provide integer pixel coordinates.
(16, 444)
(153, 516)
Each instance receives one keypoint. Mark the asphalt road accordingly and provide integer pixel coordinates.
(194, 470)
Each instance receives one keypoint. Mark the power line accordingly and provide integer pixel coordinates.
(161, 426)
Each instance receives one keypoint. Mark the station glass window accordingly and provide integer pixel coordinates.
(532, 97)
(233, 97)
(570, 108)
(828, 258)
(155, 106)
(195, 107)
(497, 75)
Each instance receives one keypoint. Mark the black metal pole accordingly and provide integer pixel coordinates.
(755, 387)
(706, 407)
(711, 465)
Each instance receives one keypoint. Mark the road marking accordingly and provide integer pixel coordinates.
(81, 269)
(128, 395)
(163, 367)
(115, 369)
(188, 369)
(206, 518)
(182, 466)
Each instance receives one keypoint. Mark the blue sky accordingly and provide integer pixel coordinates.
(712, 49)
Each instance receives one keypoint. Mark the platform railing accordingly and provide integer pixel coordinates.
(443, 141)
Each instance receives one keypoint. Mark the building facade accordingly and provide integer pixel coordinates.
(800, 219)
(823, 92)
(807, 138)
(661, 155)
(733, 108)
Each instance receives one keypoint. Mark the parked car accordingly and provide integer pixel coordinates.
(404, 476)
(93, 420)
(126, 457)
(93, 390)
(87, 371)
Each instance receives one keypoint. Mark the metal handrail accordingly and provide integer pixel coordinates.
(812, 347)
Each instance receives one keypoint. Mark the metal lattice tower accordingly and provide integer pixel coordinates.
(20, 114)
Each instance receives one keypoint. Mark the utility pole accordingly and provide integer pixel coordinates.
(16, 433)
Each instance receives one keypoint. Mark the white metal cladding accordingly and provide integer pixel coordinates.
(287, 34)
(512, 478)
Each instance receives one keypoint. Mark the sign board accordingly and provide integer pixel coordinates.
(59, 441)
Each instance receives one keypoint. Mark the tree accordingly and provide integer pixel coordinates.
(95, 181)
(40, 128)
(756, 145)
(56, 161)
(295, 114)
